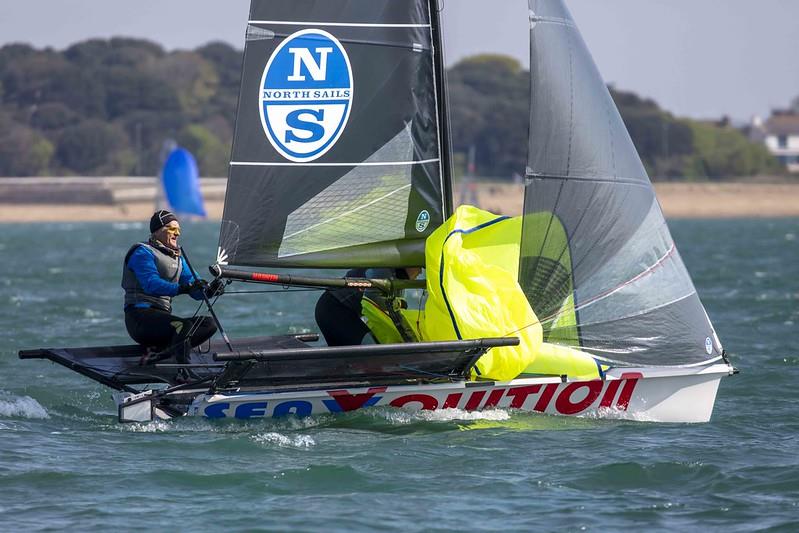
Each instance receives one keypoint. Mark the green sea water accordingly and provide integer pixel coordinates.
(66, 464)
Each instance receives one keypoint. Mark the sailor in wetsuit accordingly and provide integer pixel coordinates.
(340, 313)
(153, 273)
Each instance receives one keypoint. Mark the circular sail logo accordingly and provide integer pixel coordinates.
(422, 221)
(306, 95)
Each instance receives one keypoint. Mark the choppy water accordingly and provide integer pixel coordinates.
(65, 463)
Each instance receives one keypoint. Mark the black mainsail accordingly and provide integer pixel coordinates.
(337, 153)
(595, 244)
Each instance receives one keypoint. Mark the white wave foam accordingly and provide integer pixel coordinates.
(447, 415)
(285, 441)
(156, 426)
(402, 416)
(610, 413)
(21, 407)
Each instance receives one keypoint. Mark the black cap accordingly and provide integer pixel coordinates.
(160, 219)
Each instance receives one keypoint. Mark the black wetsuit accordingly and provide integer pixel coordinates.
(166, 332)
(338, 311)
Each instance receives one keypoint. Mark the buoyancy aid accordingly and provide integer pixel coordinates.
(170, 267)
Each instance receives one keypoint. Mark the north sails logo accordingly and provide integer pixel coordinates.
(422, 221)
(306, 95)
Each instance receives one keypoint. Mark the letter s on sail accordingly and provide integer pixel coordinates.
(296, 123)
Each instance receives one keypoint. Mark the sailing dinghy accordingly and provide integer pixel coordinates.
(341, 159)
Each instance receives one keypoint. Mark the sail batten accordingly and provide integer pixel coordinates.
(331, 164)
(337, 24)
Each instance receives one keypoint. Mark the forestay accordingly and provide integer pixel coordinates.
(598, 264)
(337, 151)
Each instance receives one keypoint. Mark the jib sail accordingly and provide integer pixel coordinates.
(337, 158)
(598, 264)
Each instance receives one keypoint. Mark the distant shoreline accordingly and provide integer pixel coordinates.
(129, 204)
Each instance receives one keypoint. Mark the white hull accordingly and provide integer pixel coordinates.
(644, 394)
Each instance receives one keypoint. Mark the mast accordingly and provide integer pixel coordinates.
(445, 143)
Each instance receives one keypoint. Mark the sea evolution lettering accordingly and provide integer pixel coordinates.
(566, 399)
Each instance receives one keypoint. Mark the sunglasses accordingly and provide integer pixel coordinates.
(173, 230)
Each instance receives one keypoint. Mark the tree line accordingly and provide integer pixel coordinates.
(106, 107)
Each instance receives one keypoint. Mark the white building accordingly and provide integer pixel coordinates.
(780, 134)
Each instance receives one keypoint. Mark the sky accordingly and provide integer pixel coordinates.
(696, 58)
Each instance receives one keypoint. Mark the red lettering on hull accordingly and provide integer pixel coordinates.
(452, 401)
(627, 392)
(610, 393)
(494, 398)
(474, 400)
(428, 402)
(520, 394)
(546, 397)
(564, 402)
(351, 402)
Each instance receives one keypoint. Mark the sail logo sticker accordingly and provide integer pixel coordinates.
(708, 346)
(306, 95)
(422, 221)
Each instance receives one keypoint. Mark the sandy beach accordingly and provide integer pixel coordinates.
(136, 199)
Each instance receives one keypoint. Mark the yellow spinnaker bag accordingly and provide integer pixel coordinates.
(472, 263)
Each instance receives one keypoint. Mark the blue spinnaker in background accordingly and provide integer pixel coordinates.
(181, 181)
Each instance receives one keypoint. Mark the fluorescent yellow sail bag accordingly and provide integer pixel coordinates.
(472, 263)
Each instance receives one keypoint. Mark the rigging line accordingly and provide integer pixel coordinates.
(208, 303)
(644, 312)
(361, 164)
(622, 363)
(195, 325)
(414, 371)
(346, 213)
(339, 24)
(283, 291)
(607, 293)
(657, 264)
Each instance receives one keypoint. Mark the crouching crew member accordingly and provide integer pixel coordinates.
(350, 316)
(153, 273)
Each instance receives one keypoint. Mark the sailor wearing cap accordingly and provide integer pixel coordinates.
(153, 273)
